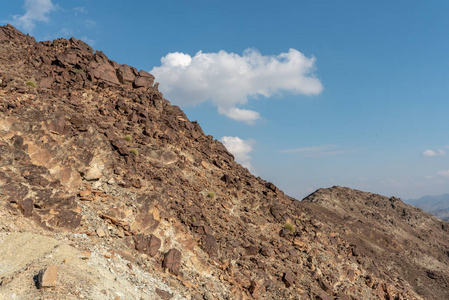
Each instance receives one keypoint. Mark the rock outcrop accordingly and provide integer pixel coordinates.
(109, 183)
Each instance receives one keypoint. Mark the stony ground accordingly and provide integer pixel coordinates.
(103, 179)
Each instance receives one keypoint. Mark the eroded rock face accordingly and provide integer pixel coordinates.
(94, 155)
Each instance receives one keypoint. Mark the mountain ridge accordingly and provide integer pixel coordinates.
(93, 157)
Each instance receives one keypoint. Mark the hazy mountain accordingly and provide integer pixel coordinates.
(436, 205)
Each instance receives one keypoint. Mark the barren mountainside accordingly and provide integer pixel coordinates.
(103, 180)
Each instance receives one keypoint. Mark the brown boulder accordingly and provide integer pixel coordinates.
(143, 73)
(102, 70)
(210, 245)
(120, 147)
(164, 294)
(147, 244)
(254, 290)
(172, 261)
(26, 207)
(265, 251)
(48, 278)
(125, 74)
(67, 59)
(143, 82)
(68, 219)
(288, 279)
(252, 250)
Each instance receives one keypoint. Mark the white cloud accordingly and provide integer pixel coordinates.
(36, 10)
(313, 149)
(319, 150)
(80, 9)
(240, 149)
(392, 183)
(229, 80)
(444, 173)
(88, 41)
(430, 153)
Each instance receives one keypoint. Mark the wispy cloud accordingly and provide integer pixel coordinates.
(393, 183)
(80, 9)
(313, 149)
(430, 153)
(240, 149)
(35, 10)
(319, 150)
(339, 152)
(87, 40)
(444, 173)
(229, 80)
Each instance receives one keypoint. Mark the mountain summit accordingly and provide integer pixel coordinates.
(107, 191)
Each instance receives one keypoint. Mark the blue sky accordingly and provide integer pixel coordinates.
(307, 94)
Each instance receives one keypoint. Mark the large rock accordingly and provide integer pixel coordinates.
(102, 70)
(48, 278)
(143, 82)
(210, 245)
(147, 244)
(288, 279)
(26, 207)
(126, 74)
(172, 261)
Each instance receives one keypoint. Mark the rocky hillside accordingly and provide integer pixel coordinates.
(109, 192)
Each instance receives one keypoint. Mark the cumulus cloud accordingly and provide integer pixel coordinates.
(430, 153)
(35, 10)
(240, 149)
(229, 80)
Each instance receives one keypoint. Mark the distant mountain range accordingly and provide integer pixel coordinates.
(436, 205)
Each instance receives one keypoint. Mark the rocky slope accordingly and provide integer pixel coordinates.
(105, 180)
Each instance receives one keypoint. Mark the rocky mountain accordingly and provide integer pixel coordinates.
(109, 192)
(436, 205)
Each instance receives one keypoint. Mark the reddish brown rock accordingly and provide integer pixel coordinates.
(143, 82)
(251, 250)
(143, 73)
(26, 207)
(164, 294)
(126, 74)
(172, 261)
(210, 245)
(147, 244)
(288, 279)
(254, 290)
